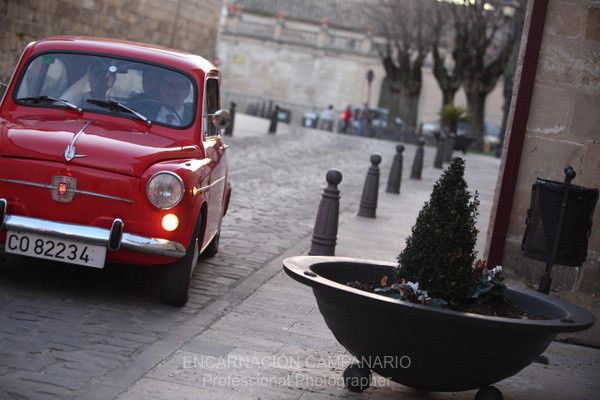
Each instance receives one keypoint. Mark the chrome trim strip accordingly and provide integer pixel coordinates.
(93, 235)
(205, 188)
(78, 191)
(152, 245)
(40, 185)
(59, 229)
(103, 196)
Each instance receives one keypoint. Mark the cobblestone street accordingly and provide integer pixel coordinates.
(248, 330)
(128, 128)
(62, 327)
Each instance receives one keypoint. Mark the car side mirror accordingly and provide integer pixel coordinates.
(220, 119)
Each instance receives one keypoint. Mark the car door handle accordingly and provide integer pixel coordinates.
(224, 147)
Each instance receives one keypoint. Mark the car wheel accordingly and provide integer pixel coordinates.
(213, 247)
(177, 276)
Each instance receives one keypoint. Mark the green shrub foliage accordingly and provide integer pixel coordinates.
(439, 254)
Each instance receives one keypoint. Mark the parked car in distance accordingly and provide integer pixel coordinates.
(111, 151)
(491, 136)
(378, 117)
(310, 119)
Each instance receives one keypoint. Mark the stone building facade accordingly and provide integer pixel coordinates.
(189, 25)
(306, 54)
(563, 128)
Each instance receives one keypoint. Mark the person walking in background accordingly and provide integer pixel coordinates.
(229, 128)
(327, 116)
(345, 117)
(364, 120)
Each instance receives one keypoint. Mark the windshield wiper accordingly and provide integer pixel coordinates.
(116, 106)
(48, 99)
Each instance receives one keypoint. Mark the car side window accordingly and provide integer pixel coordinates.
(211, 105)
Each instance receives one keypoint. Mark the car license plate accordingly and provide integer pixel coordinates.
(57, 249)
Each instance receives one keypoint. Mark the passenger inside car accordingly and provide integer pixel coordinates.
(95, 84)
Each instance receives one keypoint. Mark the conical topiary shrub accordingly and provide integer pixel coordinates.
(439, 254)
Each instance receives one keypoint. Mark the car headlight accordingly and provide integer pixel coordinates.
(165, 190)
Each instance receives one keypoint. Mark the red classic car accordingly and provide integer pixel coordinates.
(111, 151)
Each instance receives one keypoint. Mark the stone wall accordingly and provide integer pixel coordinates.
(563, 129)
(189, 25)
(304, 66)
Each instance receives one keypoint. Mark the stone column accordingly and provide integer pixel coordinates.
(234, 17)
(323, 36)
(279, 25)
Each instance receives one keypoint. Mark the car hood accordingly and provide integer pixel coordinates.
(110, 147)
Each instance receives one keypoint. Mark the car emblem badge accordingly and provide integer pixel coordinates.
(70, 153)
(71, 150)
(63, 188)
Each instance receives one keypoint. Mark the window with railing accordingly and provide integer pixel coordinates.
(256, 29)
(342, 42)
(299, 36)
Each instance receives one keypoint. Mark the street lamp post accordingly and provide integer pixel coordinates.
(370, 76)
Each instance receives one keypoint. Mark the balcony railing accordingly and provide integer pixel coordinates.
(310, 38)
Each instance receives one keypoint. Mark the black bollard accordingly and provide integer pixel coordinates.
(417, 167)
(229, 128)
(273, 124)
(439, 153)
(449, 147)
(326, 224)
(395, 177)
(368, 200)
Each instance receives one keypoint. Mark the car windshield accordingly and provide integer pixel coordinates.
(108, 85)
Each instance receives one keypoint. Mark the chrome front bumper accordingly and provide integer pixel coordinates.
(89, 234)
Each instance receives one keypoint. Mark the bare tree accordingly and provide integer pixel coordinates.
(408, 34)
(487, 36)
(447, 51)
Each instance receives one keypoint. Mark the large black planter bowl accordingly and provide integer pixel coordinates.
(424, 347)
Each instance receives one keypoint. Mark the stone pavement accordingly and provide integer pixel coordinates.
(63, 328)
(249, 331)
(249, 126)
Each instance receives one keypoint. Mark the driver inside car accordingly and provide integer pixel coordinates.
(151, 82)
(171, 108)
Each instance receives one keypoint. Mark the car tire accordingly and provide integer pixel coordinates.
(213, 247)
(177, 276)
